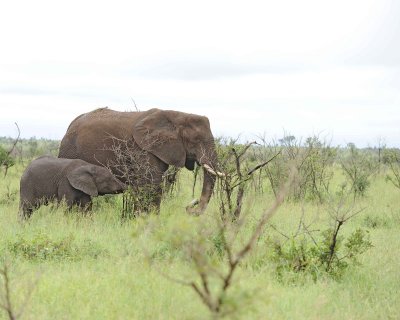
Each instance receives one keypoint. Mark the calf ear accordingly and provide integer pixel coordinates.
(81, 178)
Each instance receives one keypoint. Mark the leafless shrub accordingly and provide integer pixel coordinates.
(237, 173)
(132, 165)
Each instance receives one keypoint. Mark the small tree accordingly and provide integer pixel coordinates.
(6, 159)
(313, 160)
(237, 172)
(391, 158)
(327, 251)
(358, 167)
(381, 150)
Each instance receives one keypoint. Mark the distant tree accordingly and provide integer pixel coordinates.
(287, 140)
(381, 149)
(391, 158)
(33, 147)
(6, 159)
(358, 167)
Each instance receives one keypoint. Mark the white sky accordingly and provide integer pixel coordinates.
(301, 67)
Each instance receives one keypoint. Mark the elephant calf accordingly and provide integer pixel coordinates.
(48, 178)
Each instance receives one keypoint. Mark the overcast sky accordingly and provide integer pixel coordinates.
(301, 67)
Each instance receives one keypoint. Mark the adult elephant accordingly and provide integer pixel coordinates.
(139, 146)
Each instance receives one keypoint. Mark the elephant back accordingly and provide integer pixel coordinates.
(90, 135)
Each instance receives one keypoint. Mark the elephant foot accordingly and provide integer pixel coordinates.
(193, 209)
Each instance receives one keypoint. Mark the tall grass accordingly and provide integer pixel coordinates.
(95, 267)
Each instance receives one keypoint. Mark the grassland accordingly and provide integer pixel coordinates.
(95, 267)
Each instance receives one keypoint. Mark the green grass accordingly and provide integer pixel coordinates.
(95, 267)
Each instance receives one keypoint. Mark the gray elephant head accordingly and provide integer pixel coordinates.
(95, 180)
(180, 139)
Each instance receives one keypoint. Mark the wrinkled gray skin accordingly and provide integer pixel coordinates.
(48, 178)
(182, 139)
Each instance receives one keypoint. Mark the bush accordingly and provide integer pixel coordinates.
(392, 159)
(6, 160)
(308, 256)
(313, 160)
(41, 247)
(358, 168)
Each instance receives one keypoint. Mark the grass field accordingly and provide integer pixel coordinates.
(95, 267)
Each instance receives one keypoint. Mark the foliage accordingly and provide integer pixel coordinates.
(213, 277)
(6, 160)
(375, 221)
(358, 167)
(29, 148)
(313, 160)
(316, 252)
(41, 247)
(391, 157)
(102, 256)
(313, 255)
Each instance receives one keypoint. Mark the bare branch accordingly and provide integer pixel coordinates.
(263, 164)
(16, 140)
(134, 104)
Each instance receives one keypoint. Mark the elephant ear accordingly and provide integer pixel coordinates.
(157, 133)
(81, 178)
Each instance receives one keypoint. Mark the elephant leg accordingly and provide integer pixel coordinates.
(73, 196)
(157, 199)
(79, 199)
(85, 203)
(25, 211)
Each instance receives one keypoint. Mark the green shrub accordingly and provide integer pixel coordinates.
(392, 160)
(41, 247)
(313, 160)
(374, 222)
(358, 167)
(6, 160)
(315, 257)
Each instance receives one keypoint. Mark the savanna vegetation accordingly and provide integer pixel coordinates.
(296, 229)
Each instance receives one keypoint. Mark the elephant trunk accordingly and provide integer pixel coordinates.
(210, 176)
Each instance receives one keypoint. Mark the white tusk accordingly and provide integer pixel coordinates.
(215, 173)
(193, 203)
(220, 174)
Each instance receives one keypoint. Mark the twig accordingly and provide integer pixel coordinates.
(263, 164)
